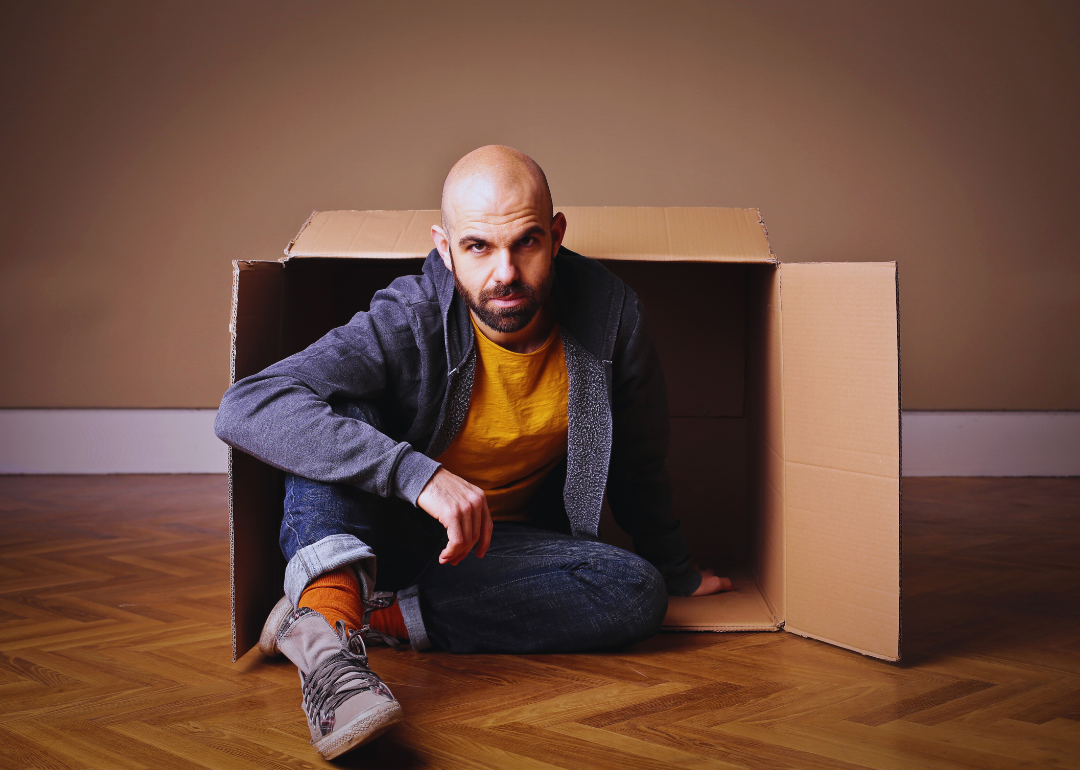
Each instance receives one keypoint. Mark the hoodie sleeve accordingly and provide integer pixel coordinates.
(282, 415)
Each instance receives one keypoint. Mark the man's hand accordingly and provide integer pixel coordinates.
(711, 584)
(461, 508)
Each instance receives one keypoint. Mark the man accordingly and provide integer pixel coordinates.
(447, 453)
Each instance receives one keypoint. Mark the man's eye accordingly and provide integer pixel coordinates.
(477, 247)
(528, 240)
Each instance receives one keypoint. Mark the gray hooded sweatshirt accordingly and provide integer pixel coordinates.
(412, 356)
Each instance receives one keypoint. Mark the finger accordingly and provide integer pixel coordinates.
(468, 537)
(476, 518)
(453, 542)
(486, 527)
(470, 528)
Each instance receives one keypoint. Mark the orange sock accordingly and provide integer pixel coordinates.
(390, 622)
(336, 596)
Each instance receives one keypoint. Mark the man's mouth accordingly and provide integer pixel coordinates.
(510, 300)
(505, 307)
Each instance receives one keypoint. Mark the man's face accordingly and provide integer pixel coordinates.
(500, 246)
(503, 307)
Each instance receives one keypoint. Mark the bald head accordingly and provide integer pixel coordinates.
(499, 238)
(493, 180)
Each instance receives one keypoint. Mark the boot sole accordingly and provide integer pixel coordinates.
(268, 637)
(363, 728)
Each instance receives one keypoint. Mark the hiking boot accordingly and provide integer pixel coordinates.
(345, 701)
(268, 637)
(282, 610)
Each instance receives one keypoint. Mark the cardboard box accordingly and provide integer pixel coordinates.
(784, 388)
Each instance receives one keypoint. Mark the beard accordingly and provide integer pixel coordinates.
(509, 319)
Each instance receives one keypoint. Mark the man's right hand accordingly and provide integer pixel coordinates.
(461, 508)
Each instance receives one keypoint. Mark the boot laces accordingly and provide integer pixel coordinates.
(334, 680)
(375, 635)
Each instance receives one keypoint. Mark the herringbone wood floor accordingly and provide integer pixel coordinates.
(114, 652)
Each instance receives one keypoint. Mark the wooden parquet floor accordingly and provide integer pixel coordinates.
(115, 653)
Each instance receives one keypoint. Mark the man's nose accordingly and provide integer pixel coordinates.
(506, 271)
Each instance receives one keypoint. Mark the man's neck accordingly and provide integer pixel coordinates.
(524, 340)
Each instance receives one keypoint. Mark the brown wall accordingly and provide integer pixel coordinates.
(145, 145)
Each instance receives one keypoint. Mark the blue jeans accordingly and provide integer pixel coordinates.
(541, 591)
(534, 591)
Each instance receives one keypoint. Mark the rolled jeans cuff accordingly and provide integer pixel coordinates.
(323, 556)
(683, 584)
(669, 554)
(409, 603)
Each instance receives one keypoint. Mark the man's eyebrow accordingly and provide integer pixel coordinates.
(534, 230)
(467, 240)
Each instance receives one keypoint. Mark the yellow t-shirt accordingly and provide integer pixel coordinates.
(516, 428)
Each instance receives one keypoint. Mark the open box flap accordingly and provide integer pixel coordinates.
(635, 233)
(371, 234)
(842, 454)
(668, 234)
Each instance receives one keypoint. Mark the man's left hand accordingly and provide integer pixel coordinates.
(711, 584)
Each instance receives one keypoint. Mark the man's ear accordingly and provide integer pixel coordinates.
(558, 230)
(442, 243)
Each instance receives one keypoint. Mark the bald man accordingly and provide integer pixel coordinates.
(447, 453)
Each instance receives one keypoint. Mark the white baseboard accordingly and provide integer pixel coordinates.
(183, 441)
(991, 443)
(110, 441)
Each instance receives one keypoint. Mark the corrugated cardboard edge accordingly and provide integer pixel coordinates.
(727, 629)
(900, 471)
(232, 512)
(835, 643)
(236, 467)
(755, 573)
(295, 238)
(232, 558)
(232, 320)
(781, 621)
(783, 429)
(765, 230)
